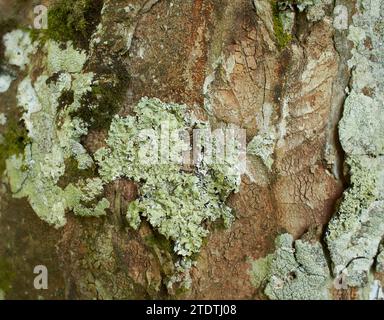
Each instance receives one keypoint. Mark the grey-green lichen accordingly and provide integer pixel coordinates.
(3, 119)
(358, 197)
(380, 260)
(176, 199)
(179, 194)
(354, 234)
(315, 9)
(375, 291)
(54, 137)
(296, 270)
(361, 129)
(356, 248)
(18, 48)
(263, 144)
(5, 81)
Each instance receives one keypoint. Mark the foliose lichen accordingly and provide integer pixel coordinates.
(380, 260)
(5, 81)
(296, 270)
(263, 144)
(3, 119)
(355, 232)
(54, 136)
(315, 9)
(18, 47)
(375, 291)
(176, 199)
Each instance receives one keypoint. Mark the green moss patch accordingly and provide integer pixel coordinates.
(14, 142)
(108, 97)
(71, 20)
(282, 38)
(6, 275)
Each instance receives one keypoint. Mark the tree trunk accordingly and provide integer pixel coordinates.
(278, 70)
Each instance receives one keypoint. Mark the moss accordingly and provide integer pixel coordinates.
(282, 38)
(6, 25)
(71, 20)
(73, 173)
(108, 97)
(159, 241)
(15, 138)
(34, 34)
(6, 275)
(108, 101)
(66, 99)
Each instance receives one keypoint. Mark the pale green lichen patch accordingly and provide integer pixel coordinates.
(177, 202)
(260, 270)
(80, 198)
(362, 114)
(296, 270)
(177, 197)
(359, 196)
(263, 146)
(5, 82)
(361, 129)
(54, 137)
(3, 119)
(380, 260)
(358, 259)
(315, 9)
(70, 60)
(354, 234)
(18, 48)
(264, 143)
